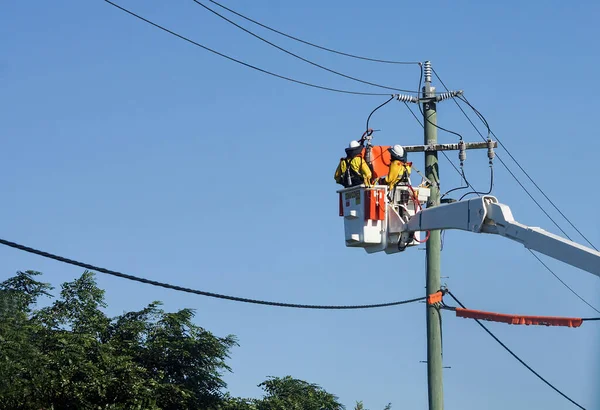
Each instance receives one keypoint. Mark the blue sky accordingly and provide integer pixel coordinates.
(128, 148)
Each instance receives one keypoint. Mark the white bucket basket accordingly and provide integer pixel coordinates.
(374, 222)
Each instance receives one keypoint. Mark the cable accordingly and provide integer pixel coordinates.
(296, 55)
(520, 184)
(372, 112)
(309, 43)
(517, 357)
(482, 193)
(502, 161)
(236, 60)
(443, 153)
(527, 175)
(460, 187)
(427, 118)
(199, 292)
(562, 281)
(460, 137)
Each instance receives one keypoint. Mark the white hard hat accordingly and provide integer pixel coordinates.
(397, 150)
(353, 144)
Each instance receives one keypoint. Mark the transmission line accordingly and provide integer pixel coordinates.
(309, 43)
(563, 282)
(528, 176)
(296, 55)
(489, 332)
(506, 166)
(200, 292)
(522, 186)
(443, 153)
(239, 61)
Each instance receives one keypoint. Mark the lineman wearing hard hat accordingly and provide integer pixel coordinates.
(399, 168)
(353, 170)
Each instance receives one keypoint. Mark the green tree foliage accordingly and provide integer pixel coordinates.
(69, 355)
(360, 406)
(288, 393)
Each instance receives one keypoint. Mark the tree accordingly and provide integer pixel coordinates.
(288, 393)
(360, 406)
(70, 355)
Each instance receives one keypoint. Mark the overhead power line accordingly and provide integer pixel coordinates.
(200, 292)
(312, 44)
(563, 282)
(298, 56)
(239, 61)
(530, 178)
(518, 164)
(513, 354)
(443, 153)
(522, 186)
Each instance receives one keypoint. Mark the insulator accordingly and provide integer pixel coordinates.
(462, 153)
(407, 98)
(449, 94)
(490, 147)
(427, 71)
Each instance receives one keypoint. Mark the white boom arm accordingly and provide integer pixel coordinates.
(486, 215)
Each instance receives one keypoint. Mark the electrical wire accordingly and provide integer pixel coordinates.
(309, 43)
(239, 61)
(462, 173)
(563, 282)
(489, 332)
(464, 99)
(460, 137)
(482, 193)
(520, 184)
(200, 292)
(378, 107)
(296, 55)
(427, 118)
(443, 153)
(502, 161)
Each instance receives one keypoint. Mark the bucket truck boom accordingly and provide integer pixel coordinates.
(486, 215)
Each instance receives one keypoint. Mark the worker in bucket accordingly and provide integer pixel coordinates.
(400, 169)
(353, 169)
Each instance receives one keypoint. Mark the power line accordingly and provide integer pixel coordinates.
(296, 55)
(200, 292)
(469, 185)
(528, 176)
(563, 282)
(520, 184)
(489, 332)
(443, 153)
(239, 61)
(309, 43)
(502, 161)
(378, 107)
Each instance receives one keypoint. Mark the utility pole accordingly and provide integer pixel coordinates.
(433, 251)
(429, 98)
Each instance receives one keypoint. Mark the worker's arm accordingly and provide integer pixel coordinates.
(393, 173)
(339, 172)
(365, 172)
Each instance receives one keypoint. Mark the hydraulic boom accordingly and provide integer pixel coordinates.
(486, 215)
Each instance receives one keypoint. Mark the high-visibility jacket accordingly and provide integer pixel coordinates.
(397, 171)
(360, 168)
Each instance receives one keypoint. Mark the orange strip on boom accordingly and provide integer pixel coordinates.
(519, 319)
